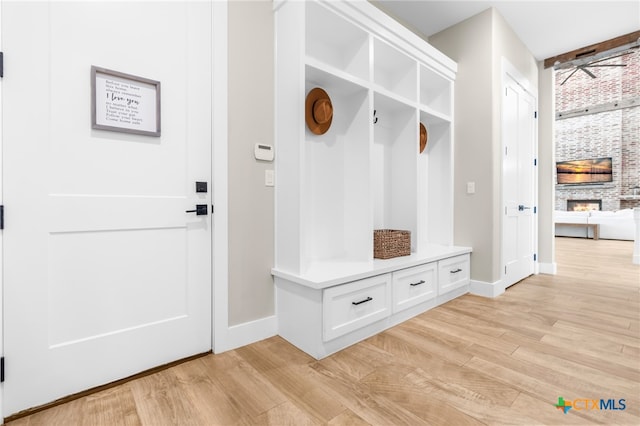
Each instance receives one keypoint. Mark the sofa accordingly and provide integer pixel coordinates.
(614, 225)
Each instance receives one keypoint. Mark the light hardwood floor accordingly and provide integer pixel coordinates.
(472, 361)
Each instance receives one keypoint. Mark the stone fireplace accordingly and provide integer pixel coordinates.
(598, 118)
(583, 205)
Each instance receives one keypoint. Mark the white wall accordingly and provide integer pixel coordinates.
(546, 164)
(478, 46)
(469, 43)
(251, 121)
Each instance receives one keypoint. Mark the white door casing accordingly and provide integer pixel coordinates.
(105, 275)
(519, 177)
(1, 234)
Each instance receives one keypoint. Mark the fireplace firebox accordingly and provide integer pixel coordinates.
(583, 205)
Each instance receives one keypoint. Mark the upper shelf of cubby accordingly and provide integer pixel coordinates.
(434, 118)
(387, 105)
(394, 71)
(323, 74)
(336, 42)
(435, 115)
(436, 93)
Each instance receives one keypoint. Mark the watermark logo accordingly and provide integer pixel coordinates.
(579, 404)
(563, 405)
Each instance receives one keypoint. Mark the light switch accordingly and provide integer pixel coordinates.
(268, 177)
(471, 187)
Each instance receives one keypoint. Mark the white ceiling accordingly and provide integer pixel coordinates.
(547, 28)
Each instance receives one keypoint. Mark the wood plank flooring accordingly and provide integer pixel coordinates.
(472, 361)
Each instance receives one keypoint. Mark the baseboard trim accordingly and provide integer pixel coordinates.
(485, 289)
(251, 332)
(548, 268)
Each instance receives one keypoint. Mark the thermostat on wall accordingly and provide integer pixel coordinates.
(263, 152)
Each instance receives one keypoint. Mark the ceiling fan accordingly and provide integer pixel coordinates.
(583, 66)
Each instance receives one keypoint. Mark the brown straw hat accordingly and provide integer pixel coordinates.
(318, 111)
(423, 137)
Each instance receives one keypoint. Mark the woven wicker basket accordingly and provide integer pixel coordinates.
(388, 243)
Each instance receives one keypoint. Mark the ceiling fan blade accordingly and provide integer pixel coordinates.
(572, 73)
(605, 65)
(592, 75)
(610, 57)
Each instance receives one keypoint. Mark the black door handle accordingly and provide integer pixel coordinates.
(201, 209)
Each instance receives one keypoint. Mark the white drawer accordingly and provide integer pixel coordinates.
(453, 273)
(348, 307)
(413, 286)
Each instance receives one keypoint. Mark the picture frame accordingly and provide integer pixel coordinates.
(126, 103)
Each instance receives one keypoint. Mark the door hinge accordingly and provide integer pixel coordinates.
(535, 161)
(1, 217)
(535, 257)
(1, 64)
(535, 114)
(2, 369)
(535, 209)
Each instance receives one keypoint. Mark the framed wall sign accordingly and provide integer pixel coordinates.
(124, 103)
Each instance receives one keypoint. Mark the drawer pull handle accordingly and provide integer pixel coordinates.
(456, 271)
(368, 299)
(418, 283)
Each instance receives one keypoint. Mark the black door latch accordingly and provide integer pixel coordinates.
(201, 209)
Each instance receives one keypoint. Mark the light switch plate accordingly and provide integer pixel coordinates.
(268, 177)
(471, 187)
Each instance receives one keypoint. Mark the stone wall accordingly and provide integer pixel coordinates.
(614, 133)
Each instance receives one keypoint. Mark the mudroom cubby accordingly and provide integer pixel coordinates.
(394, 71)
(334, 172)
(362, 171)
(394, 165)
(437, 167)
(436, 93)
(333, 40)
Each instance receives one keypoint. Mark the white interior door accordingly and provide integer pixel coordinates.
(519, 141)
(105, 274)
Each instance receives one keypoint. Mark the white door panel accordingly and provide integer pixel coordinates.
(105, 274)
(137, 286)
(518, 133)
